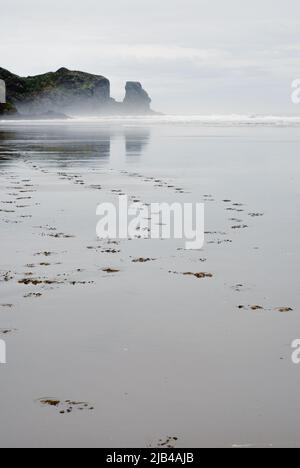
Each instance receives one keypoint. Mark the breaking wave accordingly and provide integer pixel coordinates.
(208, 120)
(233, 120)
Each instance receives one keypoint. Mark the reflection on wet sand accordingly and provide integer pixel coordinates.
(102, 332)
(63, 145)
(136, 141)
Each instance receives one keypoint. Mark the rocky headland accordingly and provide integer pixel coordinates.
(67, 93)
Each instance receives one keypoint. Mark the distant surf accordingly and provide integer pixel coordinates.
(215, 120)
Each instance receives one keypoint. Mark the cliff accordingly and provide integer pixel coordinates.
(72, 93)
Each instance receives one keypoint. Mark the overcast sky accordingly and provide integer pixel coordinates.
(193, 56)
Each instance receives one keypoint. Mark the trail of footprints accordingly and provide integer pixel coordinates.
(15, 209)
(19, 191)
(18, 198)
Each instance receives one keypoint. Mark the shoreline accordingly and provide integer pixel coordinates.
(204, 120)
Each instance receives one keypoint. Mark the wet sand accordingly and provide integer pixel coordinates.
(141, 343)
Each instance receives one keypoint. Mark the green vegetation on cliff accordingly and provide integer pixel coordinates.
(8, 109)
(70, 93)
(61, 91)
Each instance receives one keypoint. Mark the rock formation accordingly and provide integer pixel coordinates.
(72, 93)
(62, 91)
(136, 99)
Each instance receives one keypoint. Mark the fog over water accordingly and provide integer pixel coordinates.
(193, 56)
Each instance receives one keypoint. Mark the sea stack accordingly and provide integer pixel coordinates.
(137, 100)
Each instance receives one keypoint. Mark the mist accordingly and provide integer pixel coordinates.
(192, 56)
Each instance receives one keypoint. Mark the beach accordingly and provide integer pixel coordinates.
(125, 343)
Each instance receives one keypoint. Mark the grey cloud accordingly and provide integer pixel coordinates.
(186, 52)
